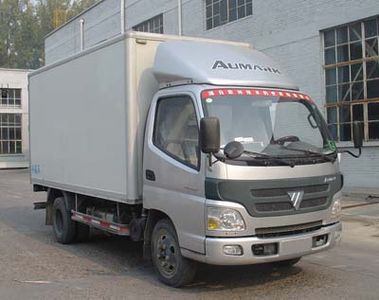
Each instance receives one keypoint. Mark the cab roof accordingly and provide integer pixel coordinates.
(217, 64)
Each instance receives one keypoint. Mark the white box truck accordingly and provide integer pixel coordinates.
(204, 150)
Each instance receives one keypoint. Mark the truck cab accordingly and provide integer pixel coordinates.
(270, 193)
(239, 160)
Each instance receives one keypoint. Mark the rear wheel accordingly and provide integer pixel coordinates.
(172, 268)
(64, 228)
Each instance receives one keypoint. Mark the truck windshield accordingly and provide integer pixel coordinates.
(277, 124)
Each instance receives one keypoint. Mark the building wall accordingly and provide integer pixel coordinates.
(289, 31)
(11, 78)
(101, 22)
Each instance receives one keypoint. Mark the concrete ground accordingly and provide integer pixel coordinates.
(360, 207)
(34, 266)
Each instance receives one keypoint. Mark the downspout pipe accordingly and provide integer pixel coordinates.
(180, 17)
(81, 24)
(122, 16)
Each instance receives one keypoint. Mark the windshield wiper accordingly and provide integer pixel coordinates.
(257, 156)
(310, 152)
(268, 157)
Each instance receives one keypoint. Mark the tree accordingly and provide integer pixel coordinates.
(26, 39)
(10, 13)
(24, 25)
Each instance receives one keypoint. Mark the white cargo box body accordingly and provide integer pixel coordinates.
(87, 117)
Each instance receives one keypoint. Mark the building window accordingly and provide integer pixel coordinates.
(10, 97)
(219, 12)
(154, 25)
(351, 64)
(10, 134)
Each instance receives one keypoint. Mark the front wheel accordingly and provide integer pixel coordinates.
(172, 268)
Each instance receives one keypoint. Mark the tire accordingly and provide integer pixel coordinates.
(287, 263)
(169, 264)
(64, 228)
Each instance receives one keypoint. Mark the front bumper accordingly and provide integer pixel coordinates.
(288, 247)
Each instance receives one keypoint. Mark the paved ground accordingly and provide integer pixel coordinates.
(34, 266)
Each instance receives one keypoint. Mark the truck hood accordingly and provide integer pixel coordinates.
(221, 170)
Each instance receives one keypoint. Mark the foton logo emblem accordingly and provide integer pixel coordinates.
(296, 197)
(219, 64)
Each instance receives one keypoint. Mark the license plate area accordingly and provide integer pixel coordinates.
(296, 246)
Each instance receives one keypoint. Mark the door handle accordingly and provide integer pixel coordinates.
(150, 175)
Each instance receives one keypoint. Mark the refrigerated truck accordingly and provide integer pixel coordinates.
(203, 149)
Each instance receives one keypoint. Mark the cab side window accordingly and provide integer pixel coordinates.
(176, 131)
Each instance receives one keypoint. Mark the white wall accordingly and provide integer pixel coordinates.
(11, 78)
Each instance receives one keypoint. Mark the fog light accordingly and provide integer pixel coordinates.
(265, 249)
(233, 250)
(319, 240)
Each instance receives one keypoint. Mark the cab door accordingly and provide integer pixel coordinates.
(173, 173)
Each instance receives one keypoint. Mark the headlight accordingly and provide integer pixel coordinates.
(225, 219)
(336, 206)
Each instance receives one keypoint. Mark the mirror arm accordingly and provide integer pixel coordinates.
(351, 153)
(210, 162)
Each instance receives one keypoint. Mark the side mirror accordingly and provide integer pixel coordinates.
(210, 135)
(357, 139)
(357, 135)
(233, 150)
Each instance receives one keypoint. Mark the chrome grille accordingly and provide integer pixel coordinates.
(306, 203)
(277, 200)
(285, 206)
(276, 192)
(273, 206)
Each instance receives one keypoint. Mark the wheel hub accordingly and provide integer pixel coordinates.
(166, 255)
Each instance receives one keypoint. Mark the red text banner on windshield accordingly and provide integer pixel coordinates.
(254, 92)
